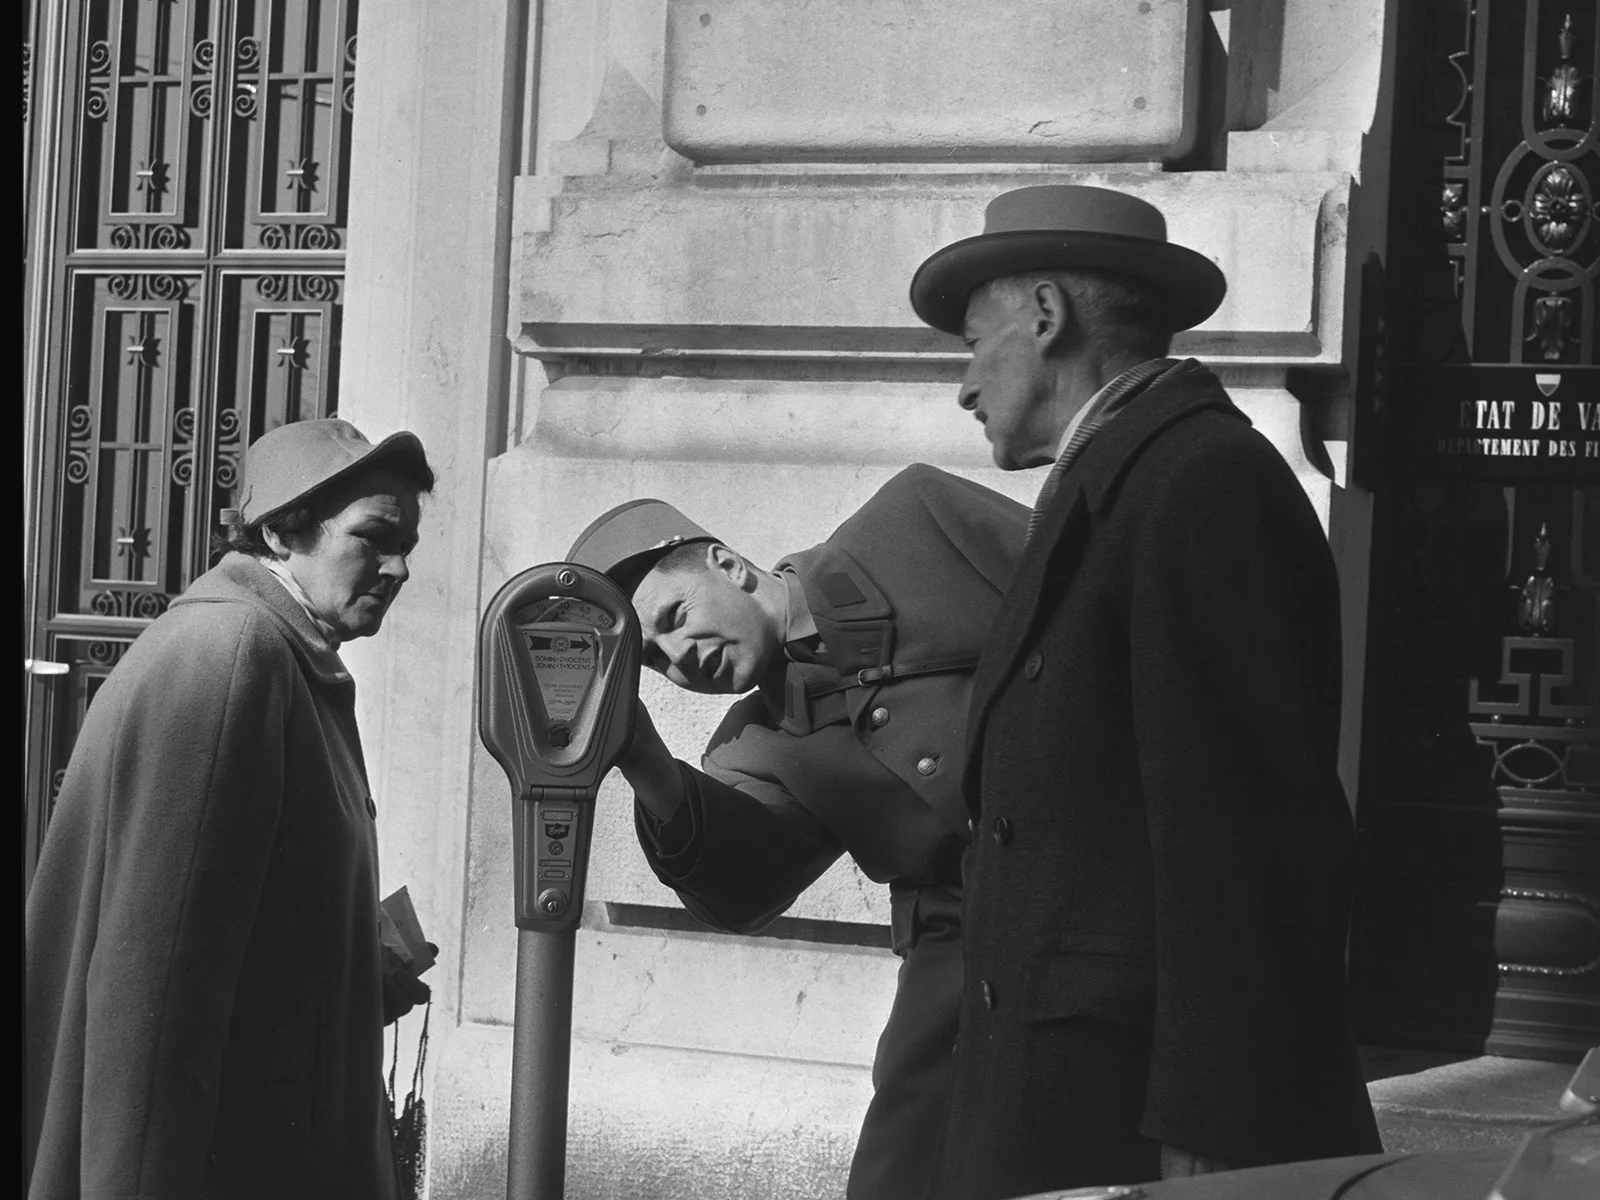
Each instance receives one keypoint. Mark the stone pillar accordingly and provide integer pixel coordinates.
(434, 151)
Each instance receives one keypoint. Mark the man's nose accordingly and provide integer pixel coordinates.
(676, 650)
(967, 397)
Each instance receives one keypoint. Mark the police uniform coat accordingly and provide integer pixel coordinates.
(911, 581)
(203, 982)
(1158, 890)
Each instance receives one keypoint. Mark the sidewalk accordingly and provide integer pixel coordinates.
(1428, 1100)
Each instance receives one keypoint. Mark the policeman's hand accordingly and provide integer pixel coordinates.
(1176, 1164)
(649, 767)
(402, 990)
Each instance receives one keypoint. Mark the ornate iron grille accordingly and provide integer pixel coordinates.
(1480, 895)
(1517, 205)
(197, 269)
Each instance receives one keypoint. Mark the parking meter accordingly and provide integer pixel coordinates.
(558, 675)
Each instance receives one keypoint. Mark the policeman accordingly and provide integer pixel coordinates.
(860, 652)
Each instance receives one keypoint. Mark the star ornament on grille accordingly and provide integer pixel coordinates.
(302, 173)
(294, 352)
(142, 351)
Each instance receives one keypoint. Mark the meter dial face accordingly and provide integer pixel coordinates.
(566, 609)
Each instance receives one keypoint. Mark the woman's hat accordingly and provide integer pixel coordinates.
(286, 465)
(626, 541)
(1064, 226)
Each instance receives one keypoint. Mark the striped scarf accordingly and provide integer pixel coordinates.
(1110, 401)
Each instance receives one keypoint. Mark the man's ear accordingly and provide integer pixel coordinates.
(731, 565)
(1051, 317)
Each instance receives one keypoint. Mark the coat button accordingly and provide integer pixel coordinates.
(879, 718)
(928, 765)
(1032, 667)
(972, 827)
(988, 994)
(372, 809)
(1001, 830)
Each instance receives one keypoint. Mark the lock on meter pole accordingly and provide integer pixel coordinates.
(558, 674)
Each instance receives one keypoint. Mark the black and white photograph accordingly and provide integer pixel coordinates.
(811, 600)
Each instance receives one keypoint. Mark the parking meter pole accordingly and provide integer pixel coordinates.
(558, 658)
(540, 1065)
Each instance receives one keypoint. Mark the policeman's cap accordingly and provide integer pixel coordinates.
(626, 541)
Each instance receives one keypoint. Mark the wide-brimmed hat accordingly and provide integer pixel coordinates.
(1067, 225)
(288, 464)
(626, 541)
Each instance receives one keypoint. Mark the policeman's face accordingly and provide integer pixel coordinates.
(703, 629)
(352, 563)
(1006, 382)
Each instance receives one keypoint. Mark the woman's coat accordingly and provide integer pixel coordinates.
(203, 980)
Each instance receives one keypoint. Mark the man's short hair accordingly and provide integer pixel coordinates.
(1119, 311)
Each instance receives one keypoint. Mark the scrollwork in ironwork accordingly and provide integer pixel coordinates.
(80, 428)
(149, 237)
(97, 97)
(125, 602)
(299, 236)
(183, 439)
(319, 289)
(246, 93)
(106, 654)
(148, 286)
(225, 468)
(1558, 209)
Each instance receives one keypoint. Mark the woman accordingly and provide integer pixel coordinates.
(204, 984)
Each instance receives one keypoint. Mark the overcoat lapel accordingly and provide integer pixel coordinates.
(1055, 551)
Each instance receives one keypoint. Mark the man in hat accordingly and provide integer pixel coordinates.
(1157, 897)
(205, 988)
(861, 651)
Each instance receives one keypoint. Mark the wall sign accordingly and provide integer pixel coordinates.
(1514, 424)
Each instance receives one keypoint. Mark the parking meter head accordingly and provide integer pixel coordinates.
(558, 677)
(624, 542)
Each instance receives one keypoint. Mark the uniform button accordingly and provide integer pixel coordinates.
(880, 717)
(928, 765)
(1032, 667)
(988, 994)
(1001, 830)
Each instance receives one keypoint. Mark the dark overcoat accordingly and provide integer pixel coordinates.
(1159, 885)
(913, 580)
(204, 1014)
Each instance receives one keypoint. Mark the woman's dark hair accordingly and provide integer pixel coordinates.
(303, 517)
(250, 539)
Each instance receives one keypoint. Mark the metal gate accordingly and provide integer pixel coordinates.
(1478, 923)
(186, 185)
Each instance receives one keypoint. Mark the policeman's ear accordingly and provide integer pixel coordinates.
(731, 565)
